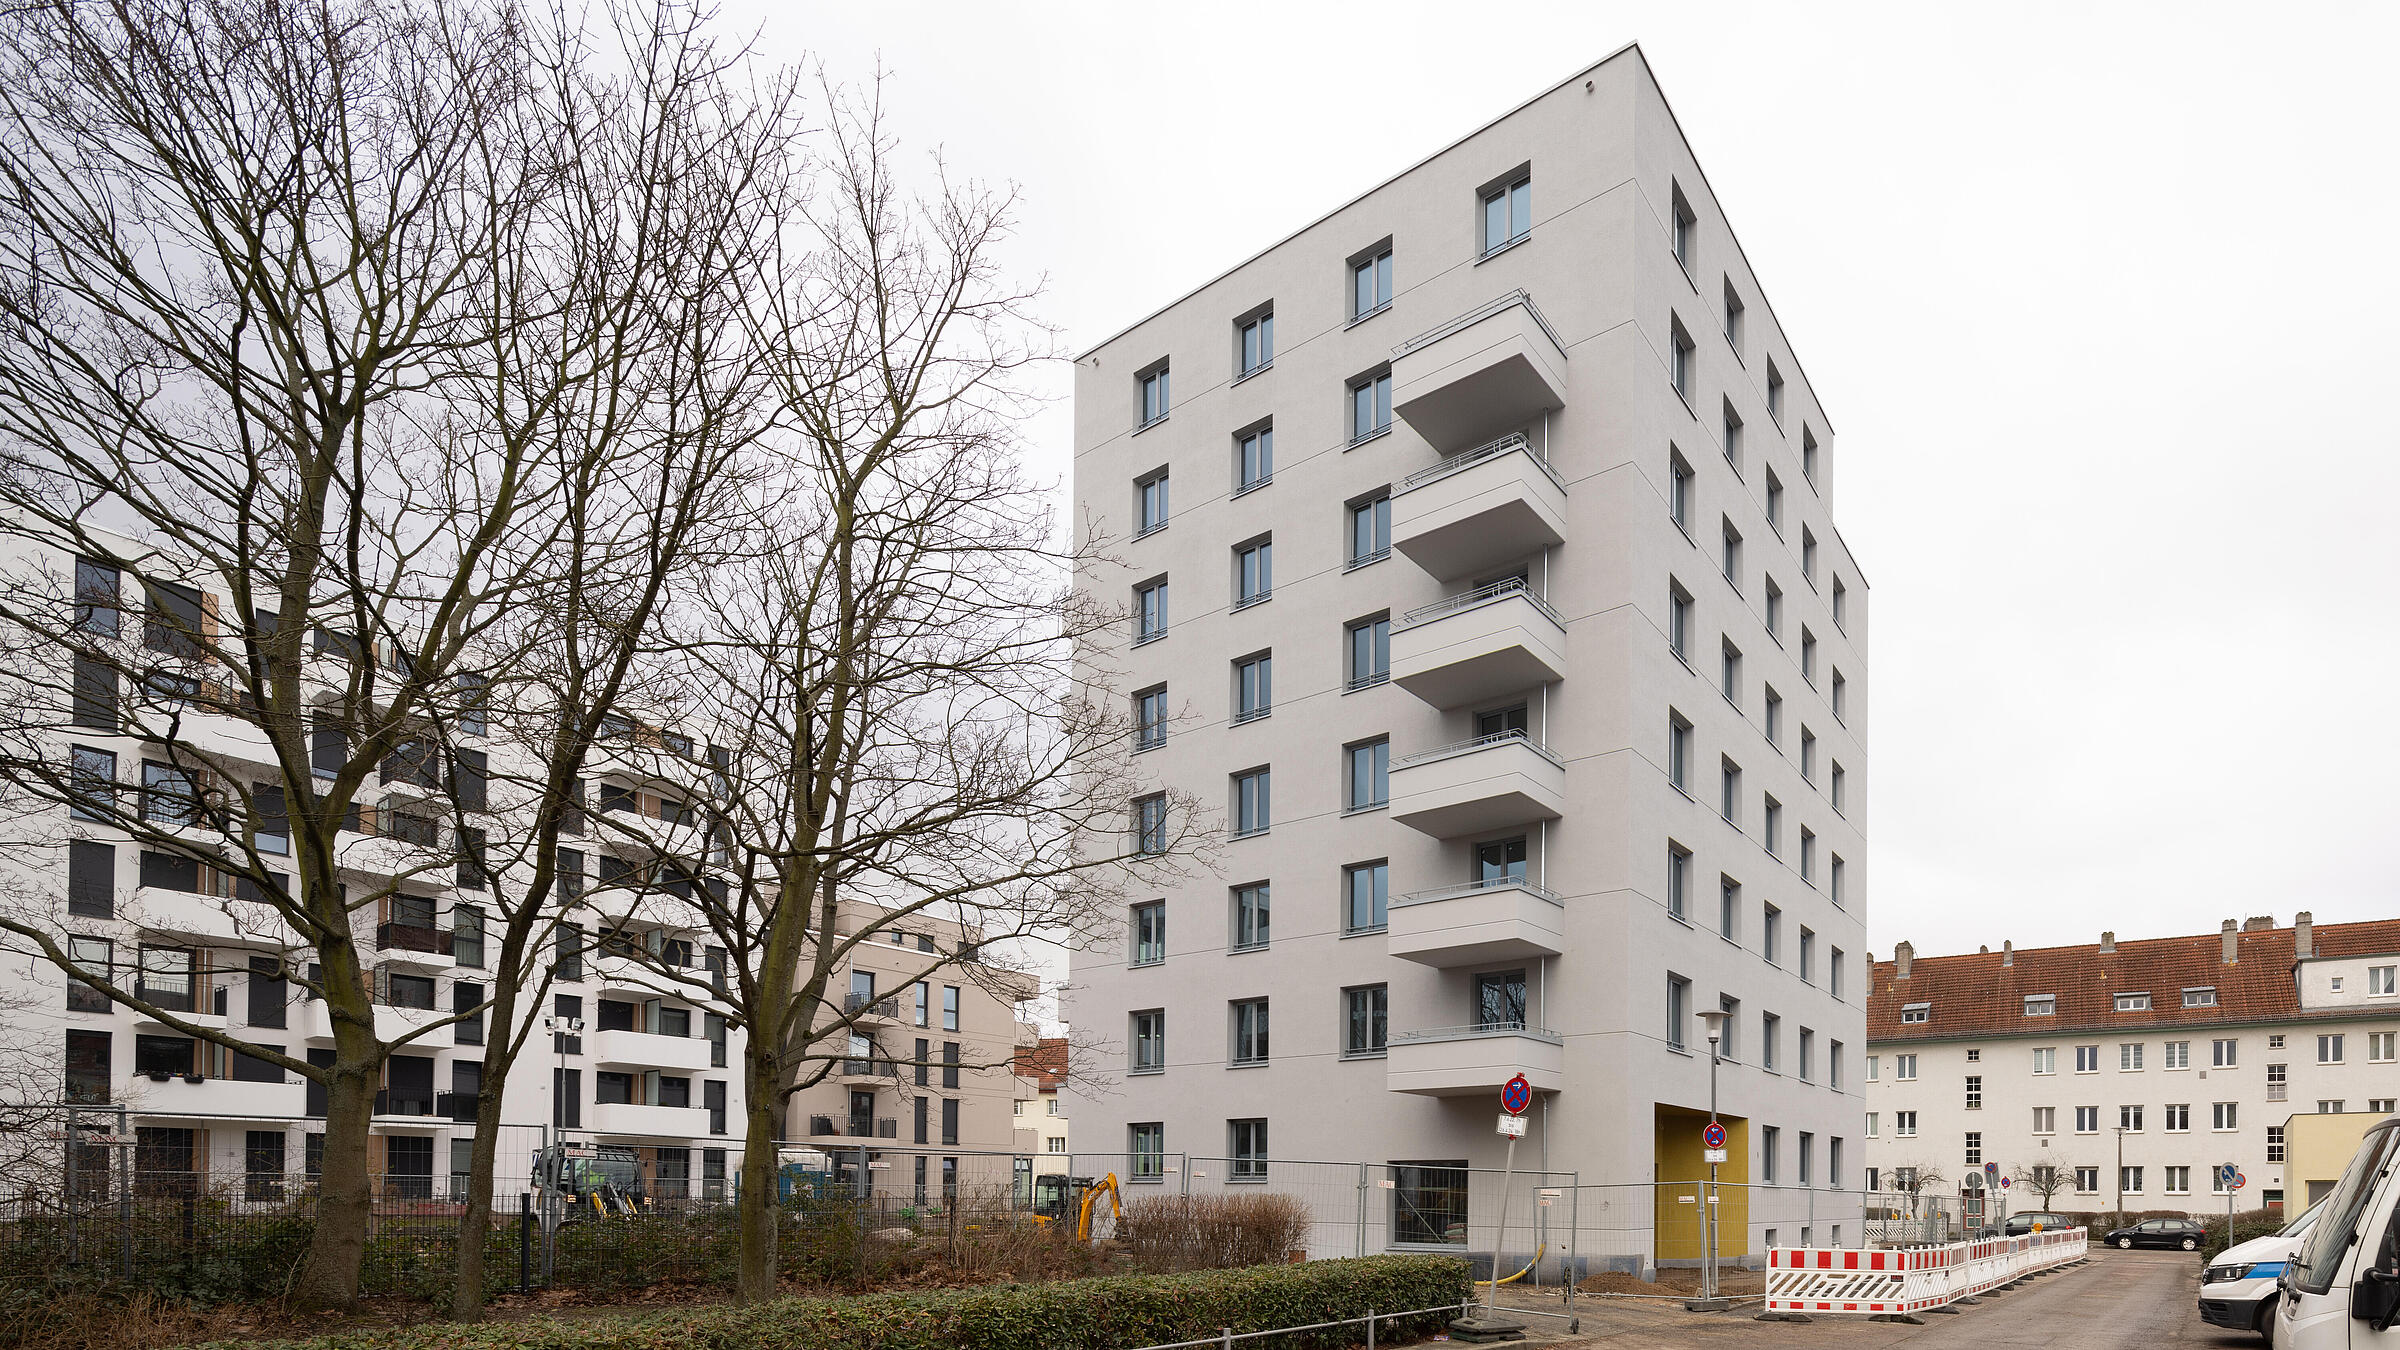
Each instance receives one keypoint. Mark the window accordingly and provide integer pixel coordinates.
(2179, 1055)
(1808, 854)
(1916, 1012)
(1250, 1031)
(1841, 605)
(1249, 1140)
(1808, 1055)
(1974, 1148)
(1153, 385)
(2129, 1119)
(2041, 1005)
(1730, 555)
(1773, 823)
(1808, 554)
(2330, 1106)
(1150, 611)
(1729, 791)
(1679, 879)
(98, 595)
(2045, 1120)
(2129, 1180)
(1371, 529)
(95, 695)
(97, 956)
(1507, 213)
(1808, 954)
(1733, 317)
(1774, 704)
(1770, 1147)
(2045, 1060)
(1808, 754)
(1371, 283)
(1367, 886)
(1770, 933)
(1774, 391)
(2379, 1047)
(1365, 1014)
(1728, 1047)
(1679, 622)
(1729, 908)
(1974, 1092)
(1257, 348)
(2087, 1120)
(1874, 1119)
(1833, 1063)
(1253, 687)
(1148, 935)
(1733, 437)
(1150, 1041)
(1841, 696)
(1253, 460)
(1679, 997)
(1679, 752)
(2380, 981)
(949, 1008)
(1874, 1068)
(1150, 504)
(2179, 1118)
(2087, 1180)
(1253, 573)
(2179, 1180)
(170, 794)
(1774, 613)
(2274, 1143)
(1679, 491)
(1370, 406)
(1370, 652)
(1840, 792)
(1833, 973)
(92, 778)
(1904, 1124)
(2222, 1054)
(1770, 1040)
(2275, 1042)
(2133, 1003)
(1147, 1142)
(2329, 1049)
(1250, 917)
(1149, 719)
(1729, 673)
(1150, 823)
(2129, 1056)
(1680, 226)
(1368, 780)
(2382, 1106)
(2087, 1059)
(1808, 655)
(1251, 814)
(2222, 1116)
(1904, 1068)
(1679, 359)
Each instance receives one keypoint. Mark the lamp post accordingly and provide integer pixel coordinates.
(1712, 1021)
(2120, 1176)
(553, 1165)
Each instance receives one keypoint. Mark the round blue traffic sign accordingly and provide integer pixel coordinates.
(1516, 1095)
(1713, 1135)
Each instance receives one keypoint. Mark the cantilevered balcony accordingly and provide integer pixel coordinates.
(1496, 366)
(626, 1049)
(1472, 1060)
(1478, 645)
(1479, 923)
(1473, 787)
(669, 1122)
(1479, 508)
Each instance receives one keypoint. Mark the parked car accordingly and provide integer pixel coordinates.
(2019, 1225)
(2238, 1290)
(2173, 1234)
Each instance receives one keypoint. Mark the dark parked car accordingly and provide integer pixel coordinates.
(2175, 1234)
(2020, 1224)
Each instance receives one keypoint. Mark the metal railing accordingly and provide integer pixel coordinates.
(1467, 459)
(1255, 598)
(1476, 1031)
(1252, 714)
(1488, 593)
(1228, 1336)
(1478, 887)
(411, 937)
(1484, 742)
(872, 1006)
(1478, 314)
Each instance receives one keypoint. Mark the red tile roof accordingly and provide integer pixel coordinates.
(1045, 1062)
(1977, 995)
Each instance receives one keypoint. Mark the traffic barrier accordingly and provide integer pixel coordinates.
(1910, 1279)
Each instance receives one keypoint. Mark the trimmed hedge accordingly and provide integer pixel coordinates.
(1097, 1314)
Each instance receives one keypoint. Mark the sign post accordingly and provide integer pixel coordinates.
(1515, 1096)
(2230, 1178)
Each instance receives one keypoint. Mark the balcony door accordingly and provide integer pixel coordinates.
(1500, 1000)
(1500, 861)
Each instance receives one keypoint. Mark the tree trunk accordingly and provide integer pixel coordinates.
(760, 1210)
(345, 1192)
(475, 1223)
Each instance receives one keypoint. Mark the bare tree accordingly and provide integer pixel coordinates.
(894, 727)
(2044, 1180)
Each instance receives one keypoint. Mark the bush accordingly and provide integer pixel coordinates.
(1212, 1232)
(2247, 1224)
(1098, 1314)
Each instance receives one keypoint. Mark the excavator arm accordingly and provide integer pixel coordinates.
(1091, 1201)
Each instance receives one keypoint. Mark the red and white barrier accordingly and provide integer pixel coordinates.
(1909, 1279)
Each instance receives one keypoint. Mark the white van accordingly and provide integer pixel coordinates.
(2342, 1290)
(2239, 1288)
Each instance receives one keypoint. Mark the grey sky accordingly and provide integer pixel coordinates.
(2097, 298)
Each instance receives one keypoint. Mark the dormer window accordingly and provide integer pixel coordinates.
(2133, 1002)
(2204, 997)
(1916, 1012)
(2041, 1005)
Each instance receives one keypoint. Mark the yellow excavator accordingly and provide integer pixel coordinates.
(1091, 1202)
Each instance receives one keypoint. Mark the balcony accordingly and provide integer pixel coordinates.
(1479, 508)
(415, 945)
(1471, 1061)
(650, 1050)
(395, 1102)
(672, 1122)
(867, 1006)
(1482, 922)
(1497, 365)
(222, 1098)
(867, 1071)
(314, 1021)
(1473, 787)
(459, 1106)
(1479, 645)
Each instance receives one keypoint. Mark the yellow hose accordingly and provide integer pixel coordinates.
(1537, 1260)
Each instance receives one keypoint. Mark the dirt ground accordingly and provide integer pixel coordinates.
(1732, 1282)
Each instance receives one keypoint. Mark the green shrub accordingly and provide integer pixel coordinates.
(1096, 1314)
(1212, 1232)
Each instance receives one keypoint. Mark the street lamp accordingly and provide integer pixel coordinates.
(1712, 1021)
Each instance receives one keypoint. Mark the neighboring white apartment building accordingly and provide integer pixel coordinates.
(2134, 1068)
(1481, 555)
(1041, 1115)
(622, 1064)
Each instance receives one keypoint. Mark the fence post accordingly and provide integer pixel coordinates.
(125, 1149)
(1362, 1238)
(524, 1241)
(1574, 1241)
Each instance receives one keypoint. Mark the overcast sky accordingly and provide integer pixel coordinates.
(2099, 299)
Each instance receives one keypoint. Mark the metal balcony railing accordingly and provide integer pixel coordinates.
(409, 937)
(1484, 742)
(1476, 315)
(1467, 459)
(1488, 593)
(1479, 887)
(871, 1006)
(1478, 1030)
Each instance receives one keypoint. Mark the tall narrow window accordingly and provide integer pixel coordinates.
(1370, 406)
(1507, 214)
(1369, 776)
(1253, 460)
(1253, 573)
(1729, 674)
(1150, 611)
(1367, 887)
(1679, 751)
(1154, 395)
(1365, 1017)
(1258, 344)
(92, 776)
(1250, 917)
(1679, 359)
(1680, 226)
(1730, 558)
(1253, 687)
(1371, 283)
(1774, 502)
(1729, 791)
(1808, 554)
(1149, 1041)
(1679, 622)
(1679, 998)
(1371, 530)
(1679, 491)
(1733, 438)
(1251, 814)
(1729, 908)
(1150, 504)
(1150, 718)
(1249, 1146)
(1774, 391)
(1679, 879)
(1149, 943)
(1733, 317)
(1150, 823)
(1250, 1031)
(1370, 652)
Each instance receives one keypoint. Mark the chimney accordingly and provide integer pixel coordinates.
(2008, 953)
(2258, 923)
(2304, 936)
(1984, 950)
(2229, 938)
(2108, 943)
(1902, 956)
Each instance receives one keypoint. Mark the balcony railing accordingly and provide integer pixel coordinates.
(1483, 742)
(391, 1102)
(1482, 887)
(1467, 459)
(872, 1127)
(1476, 315)
(1475, 1030)
(456, 1105)
(1481, 595)
(410, 937)
(871, 1006)
(819, 1126)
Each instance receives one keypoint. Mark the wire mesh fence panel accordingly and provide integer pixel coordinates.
(1322, 1201)
(1474, 1211)
(1628, 1227)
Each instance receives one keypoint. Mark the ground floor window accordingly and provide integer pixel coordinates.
(262, 1164)
(1149, 1146)
(408, 1166)
(1429, 1203)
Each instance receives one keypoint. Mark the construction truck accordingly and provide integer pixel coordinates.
(589, 1181)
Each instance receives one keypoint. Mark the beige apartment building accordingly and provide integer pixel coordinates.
(2136, 1069)
(1479, 545)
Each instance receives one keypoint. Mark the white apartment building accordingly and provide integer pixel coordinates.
(1479, 544)
(2132, 1068)
(622, 1064)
